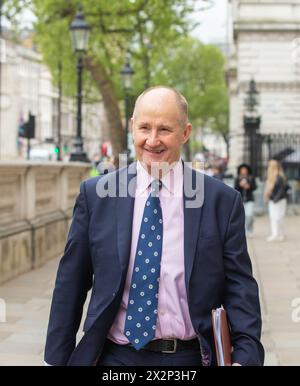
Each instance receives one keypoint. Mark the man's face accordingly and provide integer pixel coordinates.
(158, 129)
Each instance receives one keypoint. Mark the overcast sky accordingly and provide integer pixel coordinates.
(213, 22)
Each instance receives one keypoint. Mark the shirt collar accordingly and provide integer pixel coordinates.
(172, 181)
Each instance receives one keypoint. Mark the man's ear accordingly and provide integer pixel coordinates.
(187, 132)
(131, 128)
(130, 124)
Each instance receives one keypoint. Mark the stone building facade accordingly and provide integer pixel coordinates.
(26, 86)
(266, 47)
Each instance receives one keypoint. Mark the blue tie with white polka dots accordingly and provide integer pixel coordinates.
(141, 312)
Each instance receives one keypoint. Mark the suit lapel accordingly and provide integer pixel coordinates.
(192, 216)
(125, 206)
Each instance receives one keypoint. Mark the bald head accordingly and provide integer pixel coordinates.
(160, 126)
(160, 96)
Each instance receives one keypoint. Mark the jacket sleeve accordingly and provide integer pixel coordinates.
(241, 299)
(73, 281)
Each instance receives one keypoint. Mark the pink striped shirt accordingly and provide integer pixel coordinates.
(173, 320)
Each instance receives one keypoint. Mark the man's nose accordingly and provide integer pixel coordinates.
(153, 139)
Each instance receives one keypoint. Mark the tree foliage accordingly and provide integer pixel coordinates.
(155, 33)
(197, 71)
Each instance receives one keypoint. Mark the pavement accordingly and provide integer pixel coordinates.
(276, 267)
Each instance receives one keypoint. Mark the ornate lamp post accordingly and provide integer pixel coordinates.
(252, 99)
(126, 75)
(80, 31)
(251, 126)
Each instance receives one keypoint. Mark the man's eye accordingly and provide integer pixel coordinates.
(164, 129)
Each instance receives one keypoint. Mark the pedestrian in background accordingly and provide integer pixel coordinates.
(245, 184)
(276, 194)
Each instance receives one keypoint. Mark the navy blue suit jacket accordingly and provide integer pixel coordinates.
(217, 272)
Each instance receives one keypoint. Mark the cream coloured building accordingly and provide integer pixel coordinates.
(265, 46)
(26, 86)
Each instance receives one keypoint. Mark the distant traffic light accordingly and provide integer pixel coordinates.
(27, 129)
(56, 150)
(31, 126)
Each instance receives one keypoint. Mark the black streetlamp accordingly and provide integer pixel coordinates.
(80, 31)
(251, 127)
(251, 117)
(126, 75)
(252, 99)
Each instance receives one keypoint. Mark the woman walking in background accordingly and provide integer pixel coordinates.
(245, 184)
(276, 194)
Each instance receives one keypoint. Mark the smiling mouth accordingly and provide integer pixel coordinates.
(155, 151)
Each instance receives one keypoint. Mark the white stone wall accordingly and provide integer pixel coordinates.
(36, 204)
(264, 33)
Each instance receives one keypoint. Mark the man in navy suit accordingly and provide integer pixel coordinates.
(161, 245)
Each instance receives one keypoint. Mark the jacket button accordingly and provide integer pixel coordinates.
(114, 294)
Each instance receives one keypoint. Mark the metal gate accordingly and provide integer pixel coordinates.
(260, 148)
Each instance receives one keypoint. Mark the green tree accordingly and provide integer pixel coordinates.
(156, 35)
(197, 71)
(117, 27)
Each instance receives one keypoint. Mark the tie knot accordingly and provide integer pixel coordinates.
(156, 186)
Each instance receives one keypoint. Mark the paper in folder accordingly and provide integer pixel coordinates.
(221, 331)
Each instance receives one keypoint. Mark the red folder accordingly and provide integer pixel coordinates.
(221, 331)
